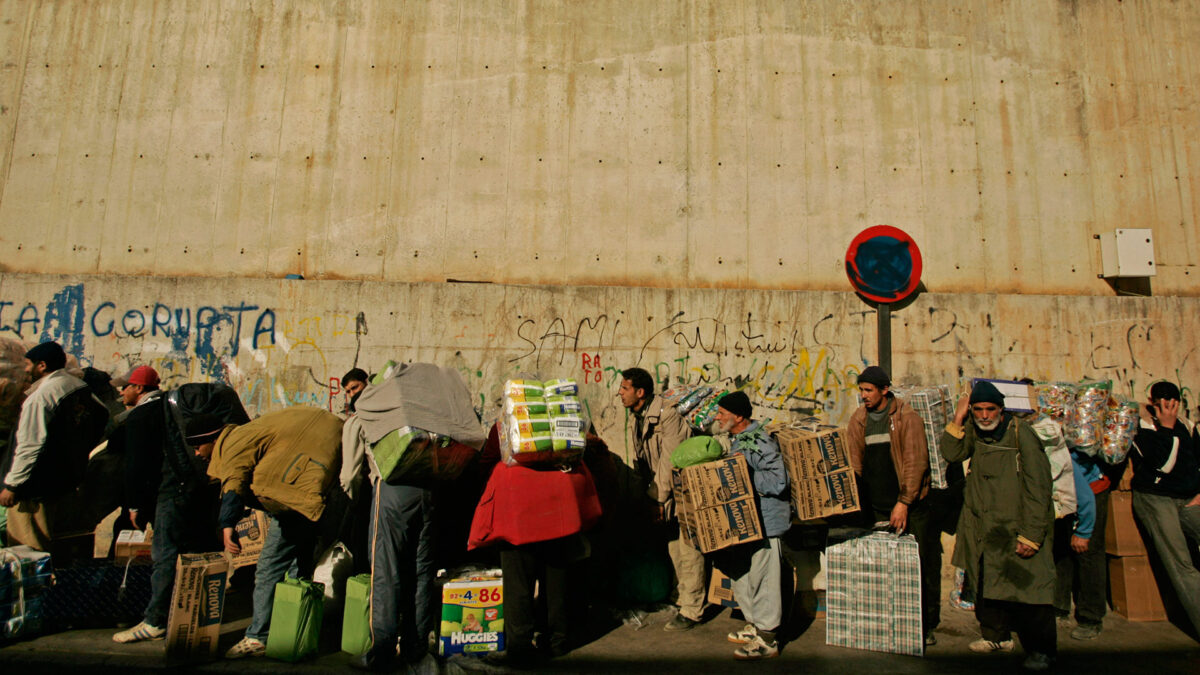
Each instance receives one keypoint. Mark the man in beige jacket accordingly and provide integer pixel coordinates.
(283, 463)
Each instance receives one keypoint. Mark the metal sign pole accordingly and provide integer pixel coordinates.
(883, 315)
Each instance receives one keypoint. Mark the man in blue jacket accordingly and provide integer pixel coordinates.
(757, 590)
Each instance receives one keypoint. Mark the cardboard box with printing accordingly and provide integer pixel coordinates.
(194, 625)
(251, 532)
(818, 466)
(133, 544)
(715, 504)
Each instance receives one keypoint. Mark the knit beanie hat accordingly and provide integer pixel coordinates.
(876, 376)
(49, 352)
(986, 392)
(737, 403)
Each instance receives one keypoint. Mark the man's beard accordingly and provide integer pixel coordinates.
(724, 428)
(990, 426)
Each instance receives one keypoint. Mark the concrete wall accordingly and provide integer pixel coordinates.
(283, 343)
(685, 143)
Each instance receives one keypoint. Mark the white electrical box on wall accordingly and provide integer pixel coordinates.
(1127, 253)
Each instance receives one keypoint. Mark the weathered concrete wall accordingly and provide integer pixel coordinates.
(674, 143)
(286, 342)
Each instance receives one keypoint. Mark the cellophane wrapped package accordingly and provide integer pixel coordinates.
(1055, 400)
(1085, 423)
(1119, 427)
(543, 422)
(705, 413)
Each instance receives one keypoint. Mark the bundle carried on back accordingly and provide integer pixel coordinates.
(543, 422)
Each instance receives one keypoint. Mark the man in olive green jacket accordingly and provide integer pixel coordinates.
(1006, 528)
(282, 462)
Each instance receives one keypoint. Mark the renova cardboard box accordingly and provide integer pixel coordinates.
(1134, 592)
(818, 466)
(720, 590)
(195, 620)
(472, 616)
(715, 504)
(1121, 535)
(251, 532)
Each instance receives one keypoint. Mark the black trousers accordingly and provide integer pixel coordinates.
(1083, 576)
(549, 562)
(402, 571)
(1033, 624)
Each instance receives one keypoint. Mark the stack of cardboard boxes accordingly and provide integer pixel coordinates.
(1135, 594)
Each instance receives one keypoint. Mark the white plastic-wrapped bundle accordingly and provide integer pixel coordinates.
(524, 390)
(1085, 423)
(1119, 427)
(1055, 399)
(541, 427)
(563, 387)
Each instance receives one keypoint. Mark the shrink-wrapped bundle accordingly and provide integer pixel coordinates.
(543, 422)
(1085, 422)
(703, 415)
(1119, 427)
(1056, 400)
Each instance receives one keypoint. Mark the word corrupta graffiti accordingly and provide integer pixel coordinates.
(211, 331)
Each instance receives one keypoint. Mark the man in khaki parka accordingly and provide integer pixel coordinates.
(283, 463)
(1006, 530)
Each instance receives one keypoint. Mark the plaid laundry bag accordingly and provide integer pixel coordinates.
(933, 405)
(873, 597)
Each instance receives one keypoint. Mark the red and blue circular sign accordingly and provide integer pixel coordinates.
(884, 264)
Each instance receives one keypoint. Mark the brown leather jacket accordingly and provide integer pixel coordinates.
(910, 449)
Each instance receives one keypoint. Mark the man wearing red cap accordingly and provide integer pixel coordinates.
(137, 385)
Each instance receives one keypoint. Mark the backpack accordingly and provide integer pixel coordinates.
(182, 405)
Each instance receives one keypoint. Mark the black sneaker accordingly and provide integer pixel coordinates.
(680, 622)
(930, 640)
(1086, 631)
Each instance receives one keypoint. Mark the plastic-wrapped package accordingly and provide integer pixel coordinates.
(703, 415)
(1056, 400)
(563, 387)
(1119, 427)
(690, 399)
(1085, 422)
(542, 429)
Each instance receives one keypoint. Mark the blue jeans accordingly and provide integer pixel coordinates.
(288, 549)
(184, 522)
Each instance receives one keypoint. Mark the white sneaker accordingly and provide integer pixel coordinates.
(140, 632)
(743, 636)
(247, 647)
(757, 649)
(985, 646)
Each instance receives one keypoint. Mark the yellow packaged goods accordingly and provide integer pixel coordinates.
(524, 390)
(472, 615)
(563, 387)
(535, 407)
(563, 405)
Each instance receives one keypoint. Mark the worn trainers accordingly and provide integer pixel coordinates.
(930, 639)
(1038, 661)
(1086, 631)
(680, 622)
(140, 632)
(744, 635)
(758, 648)
(985, 646)
(247, 647)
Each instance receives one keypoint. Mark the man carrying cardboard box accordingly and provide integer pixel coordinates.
(757, 590)
(890, 455)
(1166, 490)
(283, 463)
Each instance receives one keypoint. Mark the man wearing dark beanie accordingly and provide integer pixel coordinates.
(757, 588)
(890, 456)
(1006, 529)
(59, 425)
(1166, 490)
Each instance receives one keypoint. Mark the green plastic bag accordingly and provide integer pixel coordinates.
(356, 619)
(696, 450)
(296, 619)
